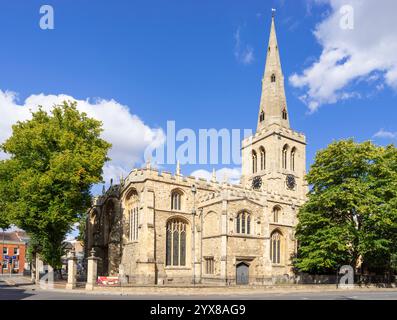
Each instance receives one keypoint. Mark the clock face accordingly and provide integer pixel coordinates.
(256, 183)
(290, 181)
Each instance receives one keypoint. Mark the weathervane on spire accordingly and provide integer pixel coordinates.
(273, 12)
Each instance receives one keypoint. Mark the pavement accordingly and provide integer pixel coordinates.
(21, 289)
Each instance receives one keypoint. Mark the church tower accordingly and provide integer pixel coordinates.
(273, 159)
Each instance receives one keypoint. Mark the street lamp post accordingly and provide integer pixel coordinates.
(194, 191)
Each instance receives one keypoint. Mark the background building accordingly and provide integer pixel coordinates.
(13, 245)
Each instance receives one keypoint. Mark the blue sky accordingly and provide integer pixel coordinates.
(179, 60)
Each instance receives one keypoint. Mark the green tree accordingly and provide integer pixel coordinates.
(351, 213)
(82, 226)
(54, 159)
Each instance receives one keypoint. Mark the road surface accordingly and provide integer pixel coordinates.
(31, 293)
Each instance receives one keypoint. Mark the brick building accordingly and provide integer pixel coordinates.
(13, 246)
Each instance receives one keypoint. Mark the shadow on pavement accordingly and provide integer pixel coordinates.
(11, 293)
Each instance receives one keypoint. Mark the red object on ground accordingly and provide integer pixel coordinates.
(108, 281)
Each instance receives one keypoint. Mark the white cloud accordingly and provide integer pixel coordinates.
(127, 133)
(350, 55)
(244, 53)
(232, 175)
(385, 134)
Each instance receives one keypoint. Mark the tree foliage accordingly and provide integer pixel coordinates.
(351, 213)
(54, 159)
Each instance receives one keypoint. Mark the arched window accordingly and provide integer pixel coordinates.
(262, 117)
(276, 214)
(263, 158)
(132, 205)
(176, 243)
(292, 161)
(176, 200)
(284, 114)
(254, 162)
(275, 247)
(284, 157)
(243, 223)
(273, 78)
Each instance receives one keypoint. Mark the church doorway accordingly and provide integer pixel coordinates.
(242, 273)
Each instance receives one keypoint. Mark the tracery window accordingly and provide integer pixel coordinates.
(132, 205)
(243, 223)
(275, 247)
(176, 242)
(176, 200)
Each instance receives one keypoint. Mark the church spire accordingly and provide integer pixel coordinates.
(273, 104)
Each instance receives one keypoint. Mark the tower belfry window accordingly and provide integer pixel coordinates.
(254, 162)
(284, 114)
(262, 117)
(273, 78)
(284, 157)
(263, 158)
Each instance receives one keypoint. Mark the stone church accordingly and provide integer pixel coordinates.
(159, 228)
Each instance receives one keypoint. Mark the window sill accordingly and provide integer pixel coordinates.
(278, 265)
(177, 268)
(244, 235)
(179, 211)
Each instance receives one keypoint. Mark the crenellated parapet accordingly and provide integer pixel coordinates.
(273, 129)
